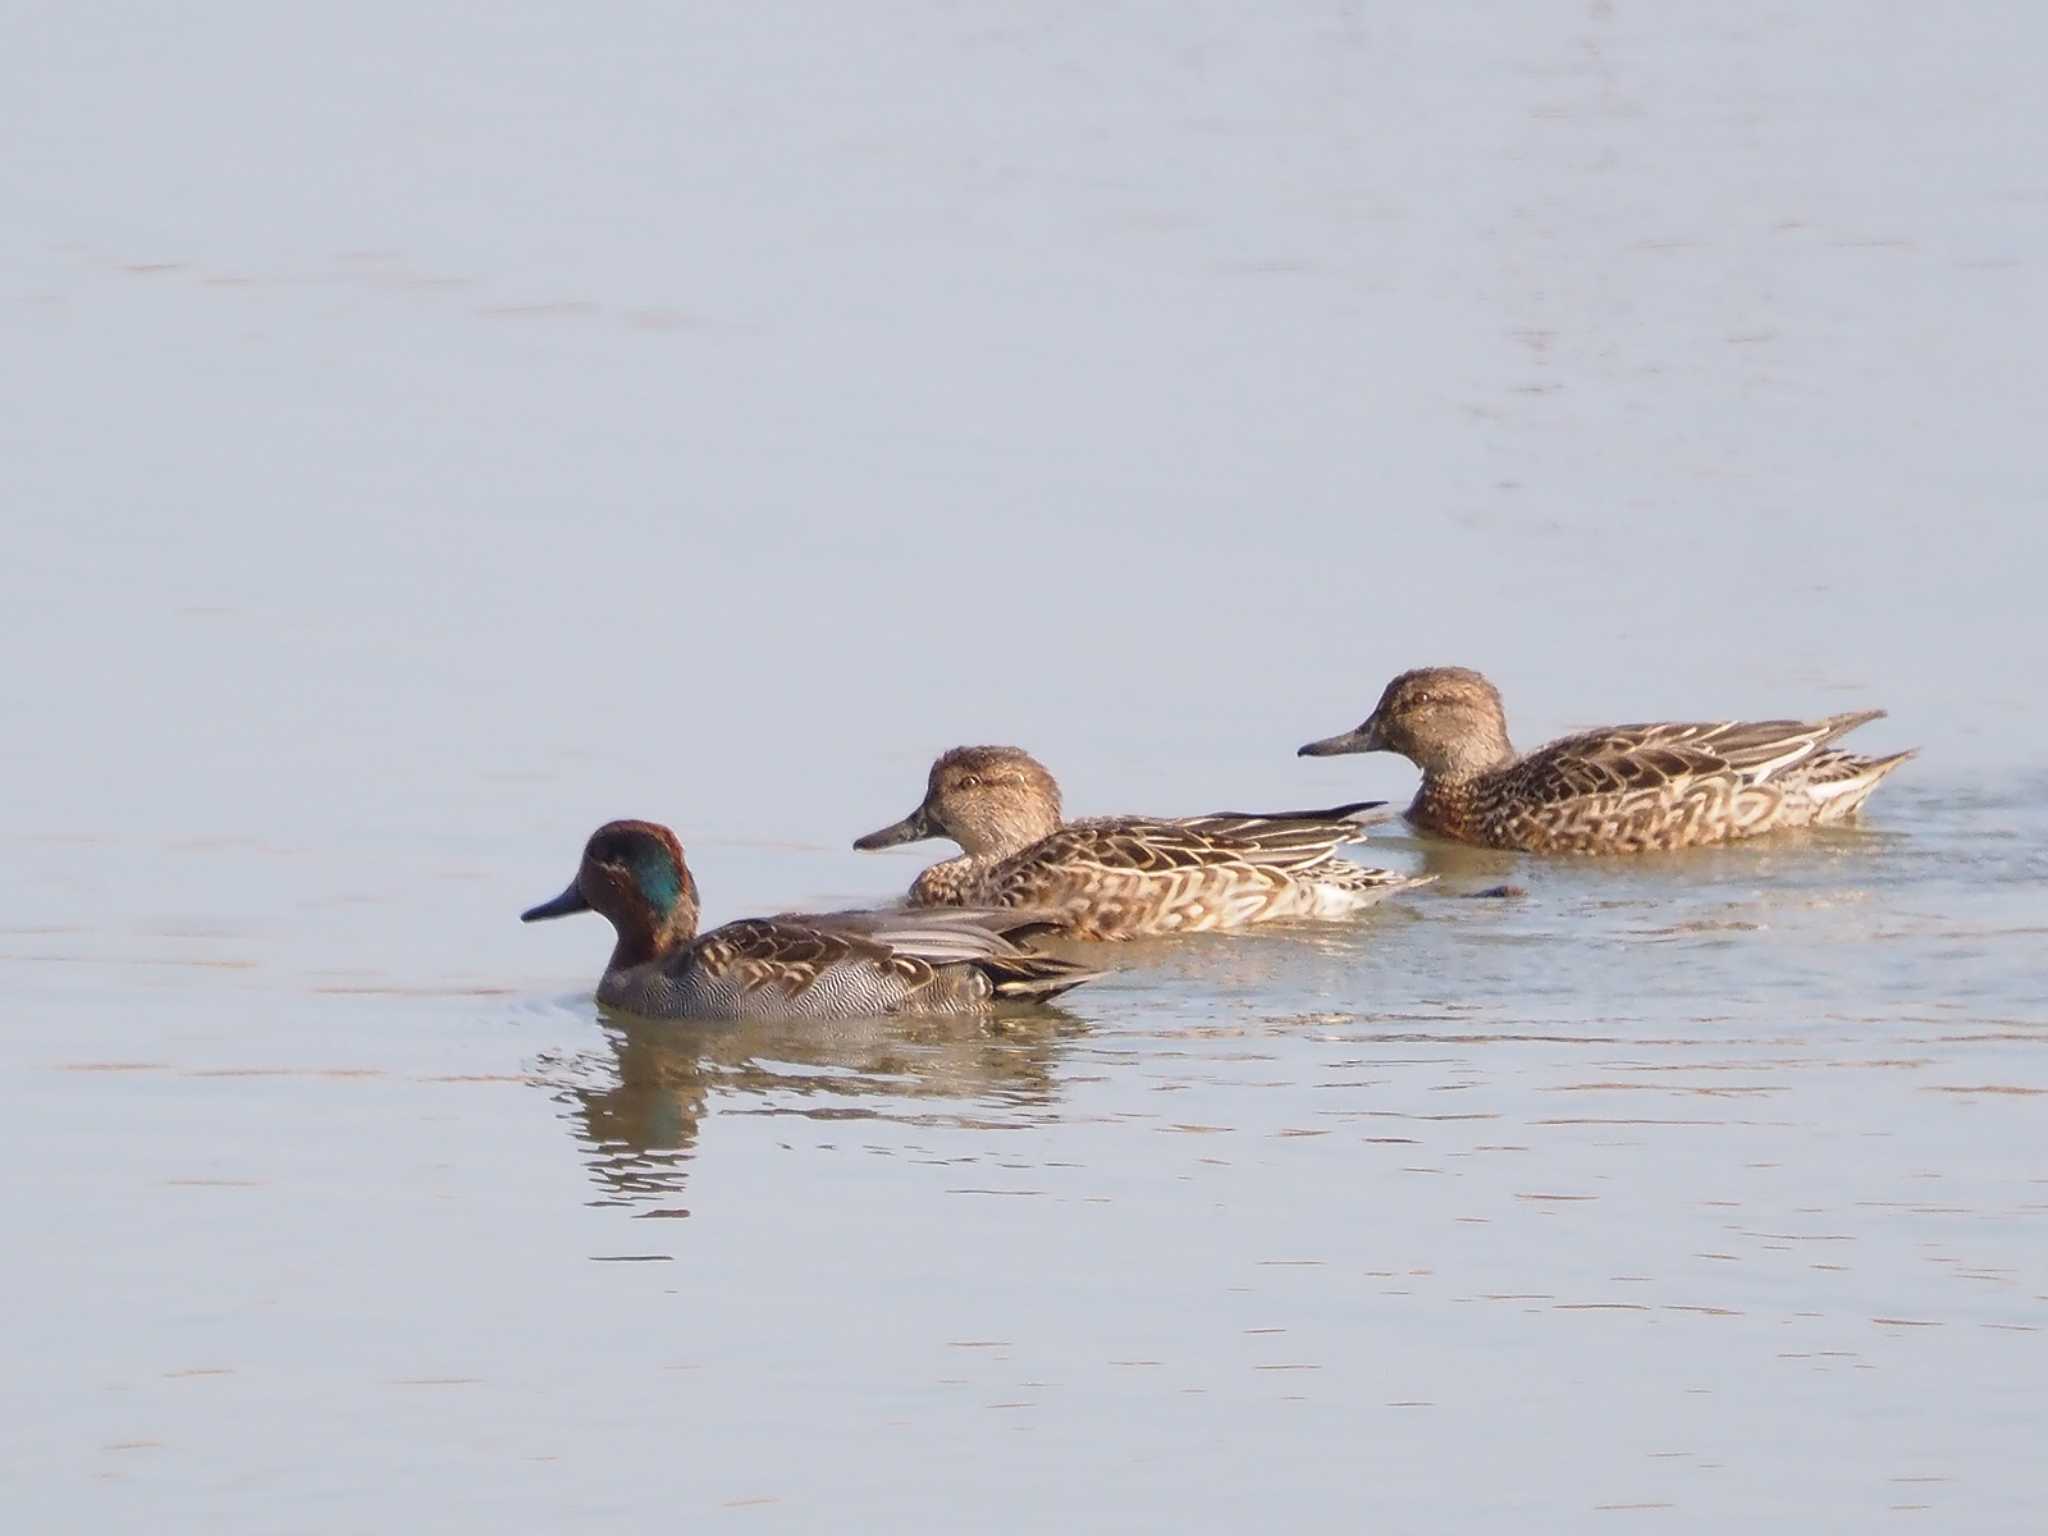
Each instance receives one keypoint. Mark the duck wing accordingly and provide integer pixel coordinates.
(910, 949)
(1346, 823)
(1135, 845)
(789, 954)
(1668, 755)
(939, 935)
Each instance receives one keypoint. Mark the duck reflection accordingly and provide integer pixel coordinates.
(638, 1108)
(1461, 869)
(1465, 870)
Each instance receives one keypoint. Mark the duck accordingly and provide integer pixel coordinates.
(1125, 877)
(1620, 789)
(832, 965)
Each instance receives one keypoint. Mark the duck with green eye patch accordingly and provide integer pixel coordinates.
(816, 966)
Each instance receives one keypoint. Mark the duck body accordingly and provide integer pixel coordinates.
(1122, 877)
(833, 965)
(1655, 788)
(844, 965)
(1621, 789)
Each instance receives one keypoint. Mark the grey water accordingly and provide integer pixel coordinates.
(431, 433)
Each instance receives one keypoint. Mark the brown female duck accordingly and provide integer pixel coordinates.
(1121, 877)
(1622, 789)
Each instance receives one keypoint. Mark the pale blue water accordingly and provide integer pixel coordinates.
(430, 436)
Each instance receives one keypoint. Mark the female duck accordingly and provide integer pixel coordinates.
(1624, 789)
(826, 966)
(1123, 877)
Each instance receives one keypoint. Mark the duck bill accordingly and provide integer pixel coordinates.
(1365, 739)
(914, 828)
(563, 905)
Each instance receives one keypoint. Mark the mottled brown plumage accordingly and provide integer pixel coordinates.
(1621, 789)
(1125, 876)
(827, 965)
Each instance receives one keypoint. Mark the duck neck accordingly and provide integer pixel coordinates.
(1451, 781)
(995, 840)
(653, 930)
(1470, 756)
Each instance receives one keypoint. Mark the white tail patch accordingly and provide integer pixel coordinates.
(1821, 794)
(1328, 899)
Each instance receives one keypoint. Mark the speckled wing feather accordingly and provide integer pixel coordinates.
(1286, 841)
(1634, 788)
(1332, 827)
(941, 935)
(1116, 877)
(1666, 757)
(1146, 847)
(792, 955)
(899, 961)
(968, 945)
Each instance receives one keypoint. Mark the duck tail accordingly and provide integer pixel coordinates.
(1340, 887)
(1345, 874)
(1035, 978)
(1841, 725)
(1840, 782)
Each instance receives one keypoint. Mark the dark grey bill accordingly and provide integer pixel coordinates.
(911, 829)
(569, 901)
(1365, 739)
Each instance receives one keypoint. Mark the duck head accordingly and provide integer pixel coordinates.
(1445, 720)
(633, 873)
(992, 801)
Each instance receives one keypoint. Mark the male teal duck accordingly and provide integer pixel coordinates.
(807, 966)
(1623, 789)
(1121, 877)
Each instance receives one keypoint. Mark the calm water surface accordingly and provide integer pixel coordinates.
(430, 437)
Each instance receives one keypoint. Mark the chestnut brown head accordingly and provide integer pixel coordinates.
(632, 872)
